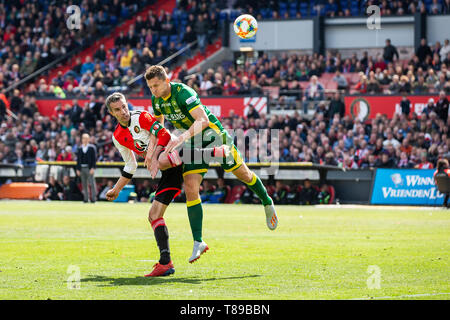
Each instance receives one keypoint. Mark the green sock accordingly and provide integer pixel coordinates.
(257, 187)
(195, 214)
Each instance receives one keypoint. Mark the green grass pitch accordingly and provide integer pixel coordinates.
(316, 252)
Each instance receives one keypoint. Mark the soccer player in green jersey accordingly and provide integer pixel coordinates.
(181, 105)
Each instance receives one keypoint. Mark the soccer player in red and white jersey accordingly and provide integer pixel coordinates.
(133, 135)
(138, 132)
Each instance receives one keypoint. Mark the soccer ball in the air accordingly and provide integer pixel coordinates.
(245, 26)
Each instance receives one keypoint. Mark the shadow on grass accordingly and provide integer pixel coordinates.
(143, 281)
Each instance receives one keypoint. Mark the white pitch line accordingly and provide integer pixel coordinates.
(405, 296)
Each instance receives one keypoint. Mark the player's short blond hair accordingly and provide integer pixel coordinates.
(156, 72)
(114, 97)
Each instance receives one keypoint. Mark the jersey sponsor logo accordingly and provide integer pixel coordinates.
(140, 145)
(175, 116)
(191, 99)
(136, 129)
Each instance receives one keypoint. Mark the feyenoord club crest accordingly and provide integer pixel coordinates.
(360, 109)
(136, 129)
(140, 145)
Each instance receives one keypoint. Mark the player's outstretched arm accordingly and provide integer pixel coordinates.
(127, 171)
(112, 194)
(201, 122)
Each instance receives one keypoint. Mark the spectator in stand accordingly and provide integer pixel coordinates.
(279, 196)
(373, 86)
(362, 84)
(249, 197)
(424, 163)
(423, 50)
(430, 107)
(386, 161)
(252, 113)
(341, 81)
(88, 65)
(100, 54)
(308, 194)
(71, 192)
(442, 106)
(54, 190)
(221, 191)
(420, 86)
(405, 105)
(445, 49)
(144, 191)
(380, 64)
(201, 28)
(324, 196)
(65, 155)
(390, 52)
(108, 186)
(314, 92)
(404, 85)
(394, 87)
(404, 161)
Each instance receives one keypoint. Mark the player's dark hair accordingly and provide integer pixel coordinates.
(114, 97)
(156, 72)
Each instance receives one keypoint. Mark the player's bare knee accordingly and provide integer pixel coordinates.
(153, 214)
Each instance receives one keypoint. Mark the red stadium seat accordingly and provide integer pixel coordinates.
(270, 190)
(326, 77)
(274, 92)
(235, 194)
(332, 193)
(303, 84)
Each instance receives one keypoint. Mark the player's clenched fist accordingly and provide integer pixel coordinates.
(112, 195)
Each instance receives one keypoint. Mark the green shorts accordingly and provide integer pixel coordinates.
(212, 138)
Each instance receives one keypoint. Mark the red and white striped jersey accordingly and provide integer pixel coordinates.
(136, 137)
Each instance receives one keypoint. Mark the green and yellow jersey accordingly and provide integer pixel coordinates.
(177, 108)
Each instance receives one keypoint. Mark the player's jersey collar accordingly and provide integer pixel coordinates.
(129, 122)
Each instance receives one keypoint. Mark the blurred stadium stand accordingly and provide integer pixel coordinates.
(118, 40)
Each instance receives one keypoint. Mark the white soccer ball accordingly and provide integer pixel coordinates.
(245, 26)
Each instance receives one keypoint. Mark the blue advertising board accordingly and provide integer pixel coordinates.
(406, 187)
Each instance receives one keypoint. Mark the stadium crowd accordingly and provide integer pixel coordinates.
(285, 9)
(35, 33)
(296, 78)
(329, 137)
